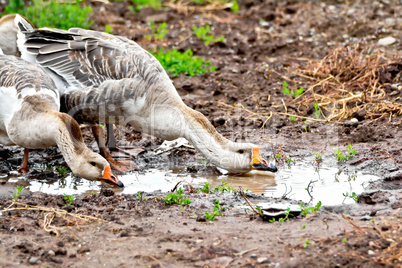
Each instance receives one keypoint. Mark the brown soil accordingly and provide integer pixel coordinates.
(266, 43)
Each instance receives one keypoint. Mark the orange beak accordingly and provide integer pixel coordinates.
(260, 163)
(110, 178)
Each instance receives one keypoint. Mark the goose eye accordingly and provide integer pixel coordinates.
(93, 164)
(241, 151)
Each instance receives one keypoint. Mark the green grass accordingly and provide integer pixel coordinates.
(350, 152)
(291, 92)
(19, 190)
(158, 32)
(69, 198)
(202, 33)
(308, 210)
(52, 14)
(176, 63)
(140, 4)
(62, 171)
(224, 187)
(177, 198)
(217, 210)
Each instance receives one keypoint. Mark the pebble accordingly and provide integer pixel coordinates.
(262, 260)
(33, 260)
(386, 41)
(51, 253)
(365, 218)
(370, 252)
(253, 256)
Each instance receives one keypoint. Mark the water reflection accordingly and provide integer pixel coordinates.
(302, 181)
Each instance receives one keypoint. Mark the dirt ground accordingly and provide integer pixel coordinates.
(335, 51)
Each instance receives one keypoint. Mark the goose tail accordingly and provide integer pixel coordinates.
(23, 24)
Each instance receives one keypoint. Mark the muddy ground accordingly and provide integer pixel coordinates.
(266, 43)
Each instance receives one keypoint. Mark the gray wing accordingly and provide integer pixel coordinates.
(15, 72)
(82, 58)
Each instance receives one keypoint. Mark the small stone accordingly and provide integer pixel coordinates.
(33, 260)
(370, 252)
(254, 256)
(263, 260)
(51, 253)
(386, 41)
(83, 249)
(365, 218)
(354, 120)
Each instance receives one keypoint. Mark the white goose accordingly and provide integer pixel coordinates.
(110, 79)
(29, 117)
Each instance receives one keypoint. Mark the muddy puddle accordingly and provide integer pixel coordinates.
(327, 182)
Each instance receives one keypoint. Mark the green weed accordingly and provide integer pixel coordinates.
(223, 187)
(69, 198)
(303, 227)
(317, 111)
(140, 197)
(53, 14)
(206, 189)
(216, 211)
(177, 198)
(109, 30)
(290, 92)
(352, 195)
(202, 33)
(176, 63)
(308, 210)
(18, 189)
(158, 32)
(62, 171)
(140, 4)
(350, 152)
(306, 242)
(293, 118)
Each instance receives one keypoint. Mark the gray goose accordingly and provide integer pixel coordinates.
(30, 118)
(108, 79)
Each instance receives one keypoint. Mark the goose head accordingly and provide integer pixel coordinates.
(242, 158)
(92, 166)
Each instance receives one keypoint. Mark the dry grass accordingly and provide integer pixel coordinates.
(348, 80)
(49, 214)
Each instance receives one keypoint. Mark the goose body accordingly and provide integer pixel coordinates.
(110, 79)
(30, 118)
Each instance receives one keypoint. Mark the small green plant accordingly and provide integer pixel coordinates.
(224, 187)
(206, 189)
(350, 152)
(109, 30)
(287, 213)
(140, 196)
(289, 92)
(305, 128)
(353, 196)
(69, 198)
(62, 171)
(318, 157)
(18, 189)
(53, 14)
(303, 227)
(293, 119)
(306, 242)
(176, 63)
(92, 193)
(140, 4)
(158, 32)
(317, 111)
(308, 210)
(202, 33)
(344, 240)
(177, 198)
(216, 211)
